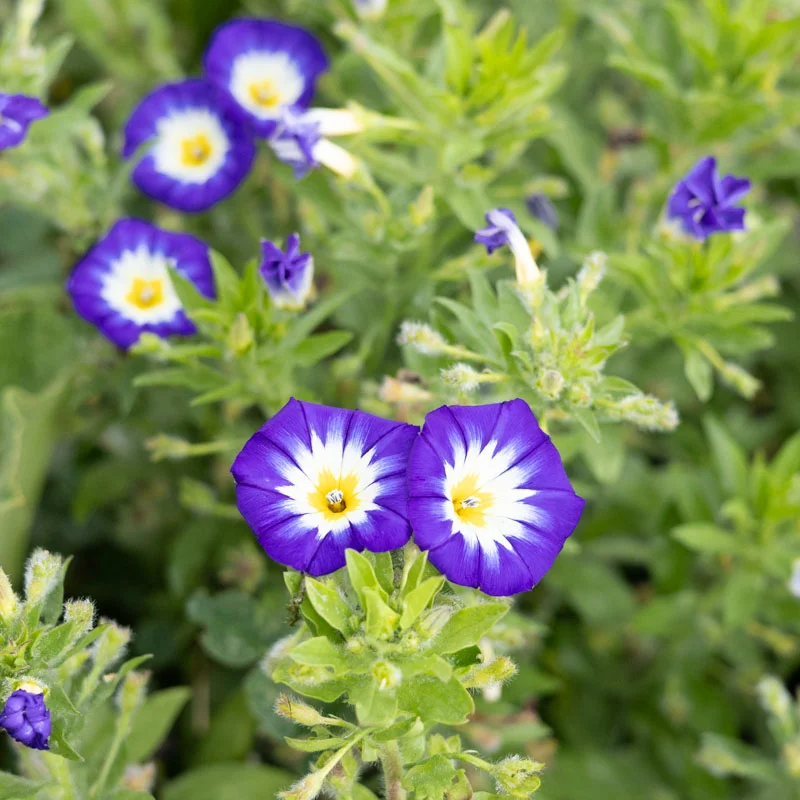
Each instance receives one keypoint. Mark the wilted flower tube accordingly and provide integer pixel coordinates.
(503, 230)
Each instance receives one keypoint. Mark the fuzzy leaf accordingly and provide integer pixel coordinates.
(468, 626)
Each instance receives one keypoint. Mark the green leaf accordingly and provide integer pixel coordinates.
(705, 537)
(316, 745)
(362, 576)
(153, 722)
(435, 702)
(729, 458)
(319, 346)
(14, 788)
(330, 605)
(700, 374)
(417, 600)
(438, 779)
(235, 781)
(742, 598)
(381, 618)
(468, 626)
(319, 652)
(587, 418)
(53, 643)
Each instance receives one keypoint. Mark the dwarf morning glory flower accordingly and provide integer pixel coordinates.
(267, 67)
(704, 203)
(503, 230)
(200, 152)
(123, 286)
(17, 112)
(289, 275)
(315, 481)
(27, 719)
(541, 208)
(489, 497)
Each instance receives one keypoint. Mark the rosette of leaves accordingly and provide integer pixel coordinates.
(105, 729)
(246, 351)
(388, 641)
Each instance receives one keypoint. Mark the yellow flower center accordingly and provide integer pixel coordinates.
(469, 502)
(146, 293)
(263, 94)
(196, 150)
(335, 495)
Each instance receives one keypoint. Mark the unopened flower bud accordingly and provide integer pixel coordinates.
(133, 690)
(140, 777)
(496, 671)
(8, 599)
(398, 391)
(41, 574)
(355, 645)
(308, 675)
(739, 379)
(518, 776)
(421, 337)
(717, 759)
(387, 675)
(550, 384)
(81, 612)
(306, 789)
(580, 394)
(149, 344)
(299, 712)
(592, 272)
(461, 377)
(111, 644)
(647, 412)
(240, 336)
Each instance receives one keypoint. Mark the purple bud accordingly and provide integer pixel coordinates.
(27, 719)
(542, 209)
(288, 275)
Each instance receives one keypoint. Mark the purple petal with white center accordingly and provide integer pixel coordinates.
(315, 481)
(199, 150)
(106, 285)
(267, 67)
(489, 496)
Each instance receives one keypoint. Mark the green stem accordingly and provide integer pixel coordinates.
(113, 751)
(59, 769)
(392, 763)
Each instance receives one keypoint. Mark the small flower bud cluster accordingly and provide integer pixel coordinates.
(133, 691)
(462, 377)
(646, 412)
(81, 613)
(422, 337)
(550, 384)
(111, 644)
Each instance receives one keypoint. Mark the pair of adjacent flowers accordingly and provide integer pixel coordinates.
(259, 79)
(483, 489)
(123, 285)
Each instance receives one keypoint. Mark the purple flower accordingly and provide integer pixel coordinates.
(267, 67)
(289, 276)
(123, 286)
(496, 235)
(17, 112)
(315, 481)
(541, 208)
(27, 719)
(489, 497)
(294, 141)
(200, 150)
(704, 203)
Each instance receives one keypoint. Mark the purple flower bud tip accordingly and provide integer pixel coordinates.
(288, 274)
(542, 209)
(495, 235)
(704, 203)
(27, 719)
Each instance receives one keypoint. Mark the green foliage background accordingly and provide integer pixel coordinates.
(641, 652)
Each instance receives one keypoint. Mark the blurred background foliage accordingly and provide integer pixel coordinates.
(642, 653)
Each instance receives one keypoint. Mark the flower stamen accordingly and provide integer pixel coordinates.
(263, 94)
(195, 151)
(145, 293)
(336, 501)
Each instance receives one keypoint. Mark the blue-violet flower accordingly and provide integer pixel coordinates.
(503, 230)
(27, 719)
(704, 203)
(289, 275)
(200, 151)
(123, 286)
(267, 67)
(315, 481)
(17, 112)
(489, 497)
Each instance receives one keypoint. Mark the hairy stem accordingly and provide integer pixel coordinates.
(392, 764)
